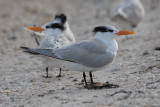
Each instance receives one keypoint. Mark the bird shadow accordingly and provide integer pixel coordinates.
(97, 85)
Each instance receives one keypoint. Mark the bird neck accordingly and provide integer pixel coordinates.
(110, 42)
(66, 25)
(113, 45)
(68, 33)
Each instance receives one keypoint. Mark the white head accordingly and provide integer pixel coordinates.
(52, 28)
(106, 34)
(109, 32)
(59, 25)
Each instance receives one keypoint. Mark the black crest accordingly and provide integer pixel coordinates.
(102, 29)
(56, 25)
(62, 17)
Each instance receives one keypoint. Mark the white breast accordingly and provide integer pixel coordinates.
(54, 42)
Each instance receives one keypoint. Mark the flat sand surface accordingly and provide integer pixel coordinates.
(136, 68)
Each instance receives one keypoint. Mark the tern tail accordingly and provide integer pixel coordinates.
(44, 52)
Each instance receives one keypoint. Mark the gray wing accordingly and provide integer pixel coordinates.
(88, 53)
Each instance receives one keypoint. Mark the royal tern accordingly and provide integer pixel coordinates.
(129, 14)
(53, 35)
(88, 55)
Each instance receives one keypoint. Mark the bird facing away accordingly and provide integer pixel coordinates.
(128, 14)
(87, 55)
(53, 35)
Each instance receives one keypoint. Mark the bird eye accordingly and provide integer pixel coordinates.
(52, 26)
(47, 26)
(110, 30)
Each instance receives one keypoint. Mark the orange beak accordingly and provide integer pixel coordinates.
(122, 32)
(37, 28)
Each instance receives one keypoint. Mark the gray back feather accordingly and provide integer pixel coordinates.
(88, 53)
(91, 53)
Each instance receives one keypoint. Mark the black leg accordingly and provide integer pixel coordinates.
(84, 76)
(90, 74)
(60, 69)
(47, 73)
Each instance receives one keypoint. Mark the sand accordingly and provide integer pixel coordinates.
(136, 68)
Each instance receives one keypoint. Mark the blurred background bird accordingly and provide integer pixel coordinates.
(53, 35)
(128, 14)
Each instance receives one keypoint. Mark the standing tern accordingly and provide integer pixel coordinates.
(88, 55)
(128, 14)
(53, 35)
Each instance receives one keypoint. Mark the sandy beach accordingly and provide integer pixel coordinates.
(136, 68)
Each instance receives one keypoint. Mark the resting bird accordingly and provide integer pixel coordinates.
(53, 35)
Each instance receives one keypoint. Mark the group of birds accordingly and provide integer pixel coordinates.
(59, 49)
